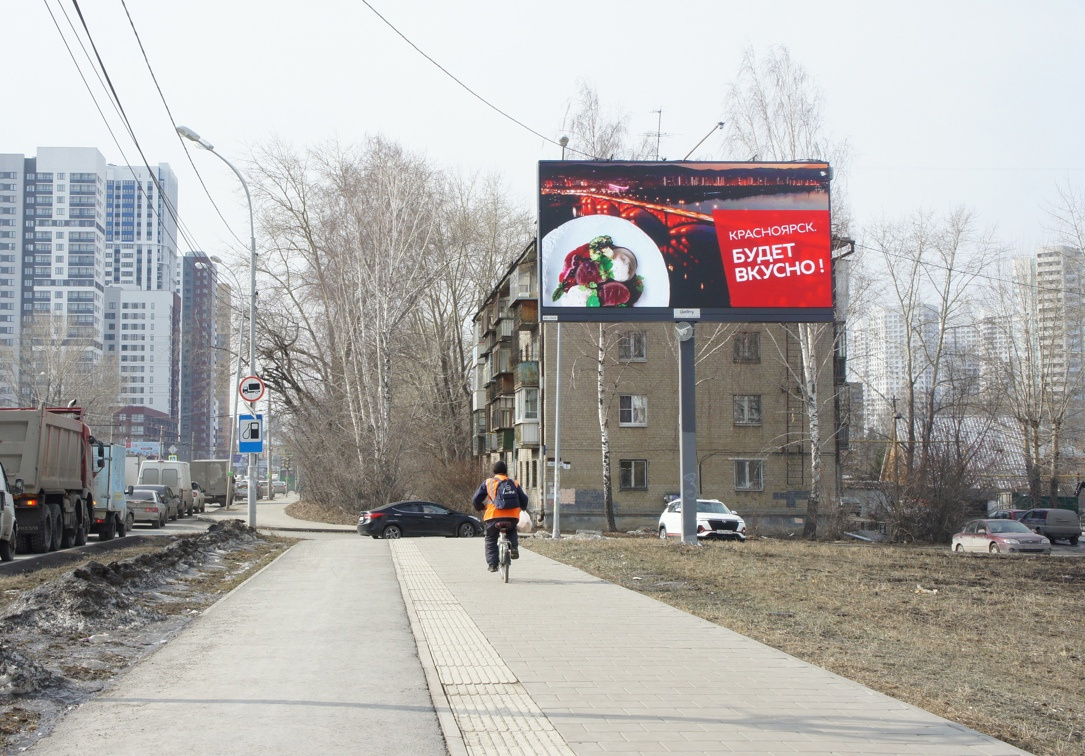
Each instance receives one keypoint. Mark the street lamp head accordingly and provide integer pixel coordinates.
(216, 259)
(563, 141)
(188, 133)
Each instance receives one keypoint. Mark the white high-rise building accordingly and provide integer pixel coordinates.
(57, 245)
(72, 227)
(142, 233)
(878, 348)
(140, 328)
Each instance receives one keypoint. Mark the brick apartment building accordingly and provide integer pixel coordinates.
(753, 451)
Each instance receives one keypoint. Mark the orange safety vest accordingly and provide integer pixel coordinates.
(492, 512)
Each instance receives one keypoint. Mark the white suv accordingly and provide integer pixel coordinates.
(714, 521)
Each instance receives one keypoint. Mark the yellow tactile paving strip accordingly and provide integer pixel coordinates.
(494, 713)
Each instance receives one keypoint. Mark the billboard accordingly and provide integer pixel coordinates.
(640, 241)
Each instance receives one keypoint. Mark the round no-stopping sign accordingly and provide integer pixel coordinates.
(251, 388)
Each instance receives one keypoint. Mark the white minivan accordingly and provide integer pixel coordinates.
(176, 475)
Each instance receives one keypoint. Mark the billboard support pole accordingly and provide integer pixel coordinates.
(556, 531)
(687, 430)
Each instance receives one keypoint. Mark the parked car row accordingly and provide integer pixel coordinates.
(1019, 531)
(155, 504)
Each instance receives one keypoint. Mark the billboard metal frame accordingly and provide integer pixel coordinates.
(664, 200)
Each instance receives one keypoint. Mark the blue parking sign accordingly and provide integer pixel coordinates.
(250, 435)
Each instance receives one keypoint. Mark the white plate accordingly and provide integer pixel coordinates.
(572, 234)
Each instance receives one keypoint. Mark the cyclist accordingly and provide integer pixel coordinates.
(502, 499)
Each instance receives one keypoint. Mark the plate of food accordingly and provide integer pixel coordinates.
(602, 261)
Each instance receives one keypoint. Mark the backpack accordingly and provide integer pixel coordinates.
(507, 496)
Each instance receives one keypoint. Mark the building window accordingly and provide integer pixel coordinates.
(748, 409)
(632, 410)
(748, 475)
(527, 404)
(633, 474)
(747, 346)
(633, 347)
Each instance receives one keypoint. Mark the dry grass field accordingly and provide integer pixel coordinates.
(999, 647)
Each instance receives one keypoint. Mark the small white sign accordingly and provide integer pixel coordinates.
(550, 318)
(687, 313)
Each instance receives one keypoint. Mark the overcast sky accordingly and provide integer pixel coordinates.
(944, 103)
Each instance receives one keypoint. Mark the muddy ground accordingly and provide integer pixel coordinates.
(64, 635)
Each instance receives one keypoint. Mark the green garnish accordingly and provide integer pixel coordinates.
(593, 300)
(558, 292)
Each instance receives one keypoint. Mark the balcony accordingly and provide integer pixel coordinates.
(526, 374)
(527, 434)
(500, 362)
(502, 386)
(501, 418)
(506, 329)
(506, 440)
(480, 444)
(527, 315)
(522, 283)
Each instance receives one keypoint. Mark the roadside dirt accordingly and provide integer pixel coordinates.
(64, 635)
(305, 510)
(992, 642)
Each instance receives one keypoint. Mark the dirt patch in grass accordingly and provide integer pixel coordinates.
(998, 647)
(332, 515)
(66, 633)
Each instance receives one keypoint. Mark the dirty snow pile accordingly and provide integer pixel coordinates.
(65, 639)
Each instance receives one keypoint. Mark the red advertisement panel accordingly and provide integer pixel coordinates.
(776, 258)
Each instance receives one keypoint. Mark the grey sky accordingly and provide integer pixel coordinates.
(944, 103)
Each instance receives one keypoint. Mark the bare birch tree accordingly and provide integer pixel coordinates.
(55, 363)
(374, 262)
(776, 112)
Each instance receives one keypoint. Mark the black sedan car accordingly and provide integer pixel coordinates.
(417, 518)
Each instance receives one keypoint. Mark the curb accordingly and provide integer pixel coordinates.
(276, 527)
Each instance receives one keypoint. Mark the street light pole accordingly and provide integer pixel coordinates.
(188, 133)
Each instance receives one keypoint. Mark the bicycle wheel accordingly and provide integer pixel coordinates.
(504, 559)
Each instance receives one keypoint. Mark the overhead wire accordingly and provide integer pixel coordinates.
(173, 122)
(468, 89)
(135, 140)
(97, 105)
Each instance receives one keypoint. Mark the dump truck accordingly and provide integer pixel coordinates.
(49, 460)
(111, 518)
(214, 477)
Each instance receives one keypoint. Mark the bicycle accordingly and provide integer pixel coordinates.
(504, 550)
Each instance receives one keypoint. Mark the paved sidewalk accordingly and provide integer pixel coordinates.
(352, 645)
(559, 662)
(314, 655)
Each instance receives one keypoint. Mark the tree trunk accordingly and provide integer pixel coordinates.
(808, 333)
(1056, 432)
(604, 433)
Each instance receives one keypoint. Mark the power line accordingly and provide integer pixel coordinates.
(169, 113)
(94, 98)
(131, 132)
(468, 89)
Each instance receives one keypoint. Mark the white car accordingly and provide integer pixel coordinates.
(714, 521)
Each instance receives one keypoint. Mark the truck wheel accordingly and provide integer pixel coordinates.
(122, 529)
(7, 548)
(57, 527)
(108, 529)
(129, 523)
(82, 528)
(67, 535)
